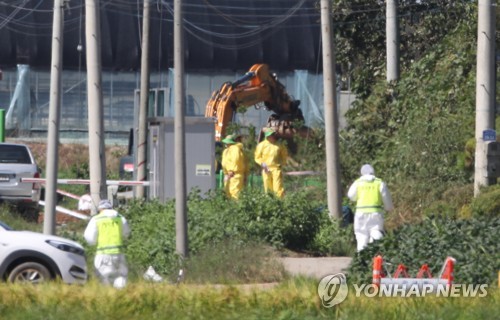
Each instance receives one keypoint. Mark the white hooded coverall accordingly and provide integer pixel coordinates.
(110, 268)
(369, 222)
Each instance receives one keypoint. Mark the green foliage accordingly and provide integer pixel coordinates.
(13, 218)
(474, 243)
(291, 222)
(332, 239)
(359, 27)
(417, 132)
(80, 170)
(451, 202)
(486, 203)
(152, 240)
(311, 153)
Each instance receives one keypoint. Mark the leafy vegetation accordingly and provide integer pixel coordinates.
(333, 239)
(255, 217)
(359, 27)
(474, 243)
(417, 133)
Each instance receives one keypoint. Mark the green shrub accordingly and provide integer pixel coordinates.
(487, 202)
(152, 239)
(474, 243)
(451, 201)
(291, 222)
(332, 239)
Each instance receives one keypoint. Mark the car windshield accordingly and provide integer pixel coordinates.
(4, 226)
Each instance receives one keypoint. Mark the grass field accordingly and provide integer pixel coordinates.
(293, 299)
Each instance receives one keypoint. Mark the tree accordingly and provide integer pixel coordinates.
(359, 27)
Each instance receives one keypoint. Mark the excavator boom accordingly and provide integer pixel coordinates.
(258, 85)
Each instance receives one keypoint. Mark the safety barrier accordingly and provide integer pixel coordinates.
(72, 213)
(423, 277)
(67, 211)
(68, 194)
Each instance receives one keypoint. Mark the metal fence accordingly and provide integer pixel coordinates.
(25, 93)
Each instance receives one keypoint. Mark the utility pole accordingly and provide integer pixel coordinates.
(49, 225)
(140, 159)
(97, 155)
(179, 134)
(392, 35)
(485, 89)
(331, 114)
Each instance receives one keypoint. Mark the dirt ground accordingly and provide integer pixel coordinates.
(316, 267)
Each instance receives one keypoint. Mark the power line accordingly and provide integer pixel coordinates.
(199, 29)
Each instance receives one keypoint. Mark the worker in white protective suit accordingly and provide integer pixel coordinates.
(107, 230)
(372, 198)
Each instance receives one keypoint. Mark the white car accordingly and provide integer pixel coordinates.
(27, 256)
(17, 162)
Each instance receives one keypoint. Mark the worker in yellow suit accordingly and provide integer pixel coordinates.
(234, 166)
(271, 156)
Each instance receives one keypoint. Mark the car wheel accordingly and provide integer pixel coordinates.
(29, 272)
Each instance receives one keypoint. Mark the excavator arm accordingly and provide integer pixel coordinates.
(257, 86)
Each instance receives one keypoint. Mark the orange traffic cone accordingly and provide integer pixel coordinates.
(377, 270)
(424, 270)
(448, 270)
(401, 270)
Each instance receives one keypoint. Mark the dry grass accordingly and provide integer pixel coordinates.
(76, 154)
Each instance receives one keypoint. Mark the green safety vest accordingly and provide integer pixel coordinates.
(369, 197)
(109, 234)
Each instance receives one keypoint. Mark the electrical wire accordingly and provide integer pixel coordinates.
(254, 29)
(238, 22)
(261, 22)
(11, 16)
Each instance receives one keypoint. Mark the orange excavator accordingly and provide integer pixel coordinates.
(258, 86)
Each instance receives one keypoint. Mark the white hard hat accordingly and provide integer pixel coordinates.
(367, 169)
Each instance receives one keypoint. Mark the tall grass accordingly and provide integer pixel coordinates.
(232, 262)
(294, 299)
(10, 215)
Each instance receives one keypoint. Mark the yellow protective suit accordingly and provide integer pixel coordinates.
(274, 155)
(235, 168)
